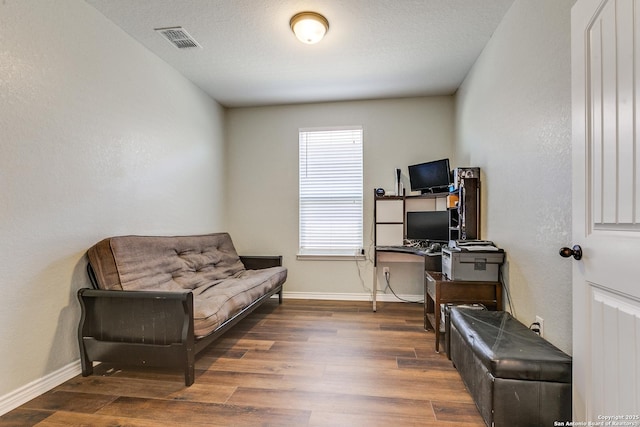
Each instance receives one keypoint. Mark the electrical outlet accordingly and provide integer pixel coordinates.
(385, 271)
(540, 321)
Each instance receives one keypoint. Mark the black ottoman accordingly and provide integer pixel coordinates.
(515, 377)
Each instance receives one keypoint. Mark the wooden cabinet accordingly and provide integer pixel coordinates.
(438, 291)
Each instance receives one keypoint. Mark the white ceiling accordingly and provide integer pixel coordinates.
(374, 48)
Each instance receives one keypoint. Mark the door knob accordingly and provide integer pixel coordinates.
(575, 252)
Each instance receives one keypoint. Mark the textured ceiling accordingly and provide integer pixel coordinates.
(374, 48)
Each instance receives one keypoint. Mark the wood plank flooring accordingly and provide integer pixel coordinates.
(302, 363)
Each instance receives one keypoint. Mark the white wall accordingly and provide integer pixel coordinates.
(98, 137)
(263, 179)
(513, 120)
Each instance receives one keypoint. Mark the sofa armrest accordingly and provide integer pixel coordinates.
(139, 327)
(133, 316)
(260, 262)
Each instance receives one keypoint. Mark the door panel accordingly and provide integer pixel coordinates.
(615, 326)
(611, 89)
(606, 207)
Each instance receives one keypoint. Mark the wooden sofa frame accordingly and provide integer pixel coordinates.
(150, 328)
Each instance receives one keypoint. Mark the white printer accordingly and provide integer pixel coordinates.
(472, 260)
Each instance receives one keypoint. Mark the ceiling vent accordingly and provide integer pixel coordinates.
(178, 37)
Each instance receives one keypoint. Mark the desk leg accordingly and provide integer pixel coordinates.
(428, 309)
(436, 327)
(375, 286)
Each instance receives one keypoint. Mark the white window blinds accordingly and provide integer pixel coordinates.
(331, 191)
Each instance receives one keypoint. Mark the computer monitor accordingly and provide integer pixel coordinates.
(430, 177)
(431, 226)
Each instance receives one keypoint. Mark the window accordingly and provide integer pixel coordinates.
(330, 191)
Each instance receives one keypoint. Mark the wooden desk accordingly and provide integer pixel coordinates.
(438, 290)
(402, 254)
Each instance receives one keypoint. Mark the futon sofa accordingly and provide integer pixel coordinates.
(158, 301)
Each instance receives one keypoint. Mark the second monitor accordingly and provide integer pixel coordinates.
(432, 226)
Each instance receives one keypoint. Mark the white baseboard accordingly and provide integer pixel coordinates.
(351, 296)
(40, 386)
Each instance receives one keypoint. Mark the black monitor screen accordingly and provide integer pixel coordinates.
(432, 226)
(430, 176)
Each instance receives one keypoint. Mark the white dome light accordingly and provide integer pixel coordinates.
(309, 27)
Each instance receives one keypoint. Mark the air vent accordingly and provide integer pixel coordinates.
(178, 37)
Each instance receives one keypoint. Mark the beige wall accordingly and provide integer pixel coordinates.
(513, 120)
(262, 179)
(98, 137)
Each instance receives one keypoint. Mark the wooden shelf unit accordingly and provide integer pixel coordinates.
(390, 215)
(464, 218)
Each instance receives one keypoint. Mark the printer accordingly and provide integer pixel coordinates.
(472, 260)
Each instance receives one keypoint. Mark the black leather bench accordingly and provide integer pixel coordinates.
(515, 377)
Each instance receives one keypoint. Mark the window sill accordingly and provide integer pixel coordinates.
(331, 257)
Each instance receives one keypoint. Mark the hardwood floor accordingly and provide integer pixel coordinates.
(303, 363)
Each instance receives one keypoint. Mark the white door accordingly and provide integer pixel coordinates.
(606, 209)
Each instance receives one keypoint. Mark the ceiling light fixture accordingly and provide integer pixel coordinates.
(309, 27)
